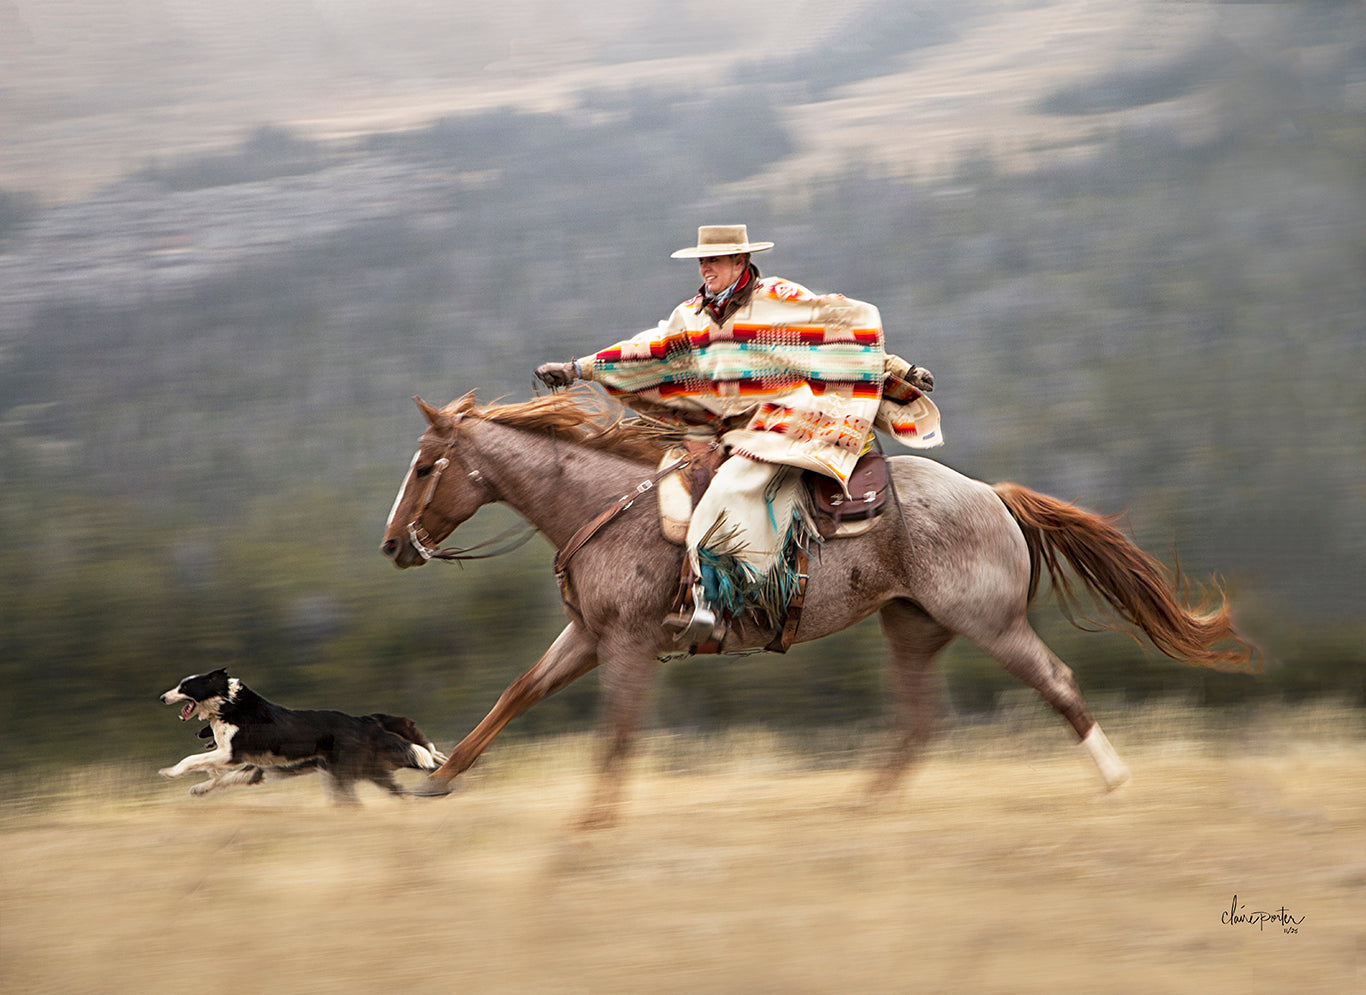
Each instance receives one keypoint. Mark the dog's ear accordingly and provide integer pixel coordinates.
(220, 670)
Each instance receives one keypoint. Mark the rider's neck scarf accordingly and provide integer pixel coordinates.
(721, 305)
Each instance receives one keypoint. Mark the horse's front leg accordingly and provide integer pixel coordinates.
(573, 654)
(913, 641)
(627, 676)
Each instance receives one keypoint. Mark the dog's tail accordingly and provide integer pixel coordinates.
(426, 758)
(418, 756)
(410, 747)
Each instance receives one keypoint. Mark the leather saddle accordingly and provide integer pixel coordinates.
(836, 514)
(850, 514)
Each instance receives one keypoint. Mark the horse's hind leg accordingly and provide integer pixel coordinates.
(913, 640)
(1020, 650)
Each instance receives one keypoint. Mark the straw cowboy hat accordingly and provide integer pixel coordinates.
(721, 240)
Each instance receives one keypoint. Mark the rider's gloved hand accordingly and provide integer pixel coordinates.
(557, 374)
(921, 378)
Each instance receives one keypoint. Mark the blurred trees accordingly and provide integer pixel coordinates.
(15, 209)
(205, 373)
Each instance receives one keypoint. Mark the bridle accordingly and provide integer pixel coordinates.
(419, 537)
(497, 546)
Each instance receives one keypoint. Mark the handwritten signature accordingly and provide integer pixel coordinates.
(1235, 916)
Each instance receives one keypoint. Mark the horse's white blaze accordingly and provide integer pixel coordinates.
(1112, 769)
(402, 487)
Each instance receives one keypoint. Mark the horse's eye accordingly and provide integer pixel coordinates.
(422, 471)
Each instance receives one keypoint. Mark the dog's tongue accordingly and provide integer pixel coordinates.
(186, 711)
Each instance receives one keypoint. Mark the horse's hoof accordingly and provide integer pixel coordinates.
(430, 788)
(1117, 788)
(1112, 786)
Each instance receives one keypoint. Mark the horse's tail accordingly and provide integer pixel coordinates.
(1133, 583)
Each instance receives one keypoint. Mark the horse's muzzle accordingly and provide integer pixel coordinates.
(402, 553)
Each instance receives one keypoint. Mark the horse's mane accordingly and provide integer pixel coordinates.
(580, 416)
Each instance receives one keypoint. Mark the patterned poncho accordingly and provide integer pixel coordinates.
(801, 377)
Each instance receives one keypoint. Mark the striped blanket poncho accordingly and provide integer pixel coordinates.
(803, 377)
(791, 378)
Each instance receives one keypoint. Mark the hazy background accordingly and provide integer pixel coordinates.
(1128, 237)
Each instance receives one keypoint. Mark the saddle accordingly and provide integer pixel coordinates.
(836, 514)
(855, 513)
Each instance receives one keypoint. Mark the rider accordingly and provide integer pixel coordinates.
(784, 378)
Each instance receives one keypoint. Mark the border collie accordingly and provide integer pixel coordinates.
(254, 738)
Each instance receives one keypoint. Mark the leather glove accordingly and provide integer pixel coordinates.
(556, 374)
(921, 378)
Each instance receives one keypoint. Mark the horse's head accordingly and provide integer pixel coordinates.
(438, 493)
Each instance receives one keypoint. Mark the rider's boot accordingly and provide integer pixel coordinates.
(696, 627)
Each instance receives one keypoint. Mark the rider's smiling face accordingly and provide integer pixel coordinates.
(719, 272)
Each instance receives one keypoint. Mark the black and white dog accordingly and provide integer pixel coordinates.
(254, 738)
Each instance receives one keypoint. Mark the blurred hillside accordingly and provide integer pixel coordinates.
(1128, 239)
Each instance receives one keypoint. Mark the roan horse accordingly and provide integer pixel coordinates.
(954, 557)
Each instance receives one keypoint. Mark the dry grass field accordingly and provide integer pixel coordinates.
(740, 865)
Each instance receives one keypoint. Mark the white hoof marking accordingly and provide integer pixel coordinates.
(1111, 768)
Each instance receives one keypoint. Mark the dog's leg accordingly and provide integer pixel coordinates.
(219, 759)
(343, 792)
(204, 787)
(298, 767)
(387, 782)
(249, 774)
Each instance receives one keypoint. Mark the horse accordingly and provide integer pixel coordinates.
(954, 557)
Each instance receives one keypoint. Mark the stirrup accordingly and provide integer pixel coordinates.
(700, 626)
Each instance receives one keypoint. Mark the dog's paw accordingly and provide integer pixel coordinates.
(169, 772)
(203, 789)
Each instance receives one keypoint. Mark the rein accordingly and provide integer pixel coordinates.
(468, 552)
(579, 538)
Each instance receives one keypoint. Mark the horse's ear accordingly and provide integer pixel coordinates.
(430, 413)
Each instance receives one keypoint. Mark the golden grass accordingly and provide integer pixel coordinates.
(741, 864)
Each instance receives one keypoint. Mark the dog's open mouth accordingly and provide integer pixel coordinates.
(187, 710)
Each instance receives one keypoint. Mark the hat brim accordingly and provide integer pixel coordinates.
(732, 249)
